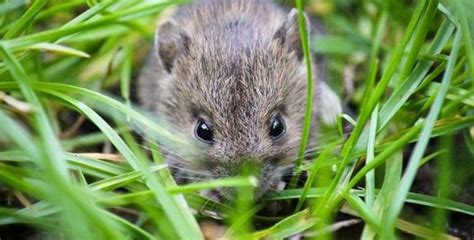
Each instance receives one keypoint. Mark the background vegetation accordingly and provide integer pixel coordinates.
(71, 166)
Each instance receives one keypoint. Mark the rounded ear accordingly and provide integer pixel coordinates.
(328, 105)
(170, 41)
(288, 34)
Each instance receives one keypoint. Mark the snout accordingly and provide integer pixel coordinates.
(269, 180)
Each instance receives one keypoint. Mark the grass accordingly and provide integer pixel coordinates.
(71, 166)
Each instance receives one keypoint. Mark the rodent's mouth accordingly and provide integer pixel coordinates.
(213, 194)
(221, 195)
(271, 178)
(229, 194)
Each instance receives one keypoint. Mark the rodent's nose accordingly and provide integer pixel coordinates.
(267, 182)
(245, 166)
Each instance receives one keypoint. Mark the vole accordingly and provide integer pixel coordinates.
(231, 76)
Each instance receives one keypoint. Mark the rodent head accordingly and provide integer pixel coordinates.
(239, 92)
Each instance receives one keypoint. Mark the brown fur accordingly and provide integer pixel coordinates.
(236, 64)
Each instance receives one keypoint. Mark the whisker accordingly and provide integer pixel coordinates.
(190, 177)
(195, 172)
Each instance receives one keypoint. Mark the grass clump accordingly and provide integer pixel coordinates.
(71, 166)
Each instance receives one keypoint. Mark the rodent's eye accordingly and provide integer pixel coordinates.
(203, 131)
(277, 127)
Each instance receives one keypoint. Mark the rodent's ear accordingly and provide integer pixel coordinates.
(328, 105)
(170, 41)
(288, 34)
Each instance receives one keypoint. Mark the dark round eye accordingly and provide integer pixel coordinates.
(204, 132)
(277, 127)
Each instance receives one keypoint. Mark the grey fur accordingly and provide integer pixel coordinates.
(236, 64)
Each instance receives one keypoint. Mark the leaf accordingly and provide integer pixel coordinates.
(56, 48)
(287, 227)
(25, 19)
(177, 215)
(422, 143)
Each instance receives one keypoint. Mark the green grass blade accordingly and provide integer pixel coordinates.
(365, 114)
(467, 35)
(89, 166)
(358, 205)
(17, 134)
(125, 74)
(393, 171)
(55, 34)
(51, 160)
(415, 198)
(287, 227)
(60, 7)
(121, 180)
(304, 36)
(56, 48)
(370, 177)
(312, 176)
(384, 155)
(418, 40)
(140, 233)
(53, 148)
(408, 87)
(218, 183)
(420, 147)
(26, 19)
(178, 216)
(8, 6)
(421, 231)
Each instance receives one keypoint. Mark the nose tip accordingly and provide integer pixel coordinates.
(255, 192)
(245, 167)
(252, 189)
